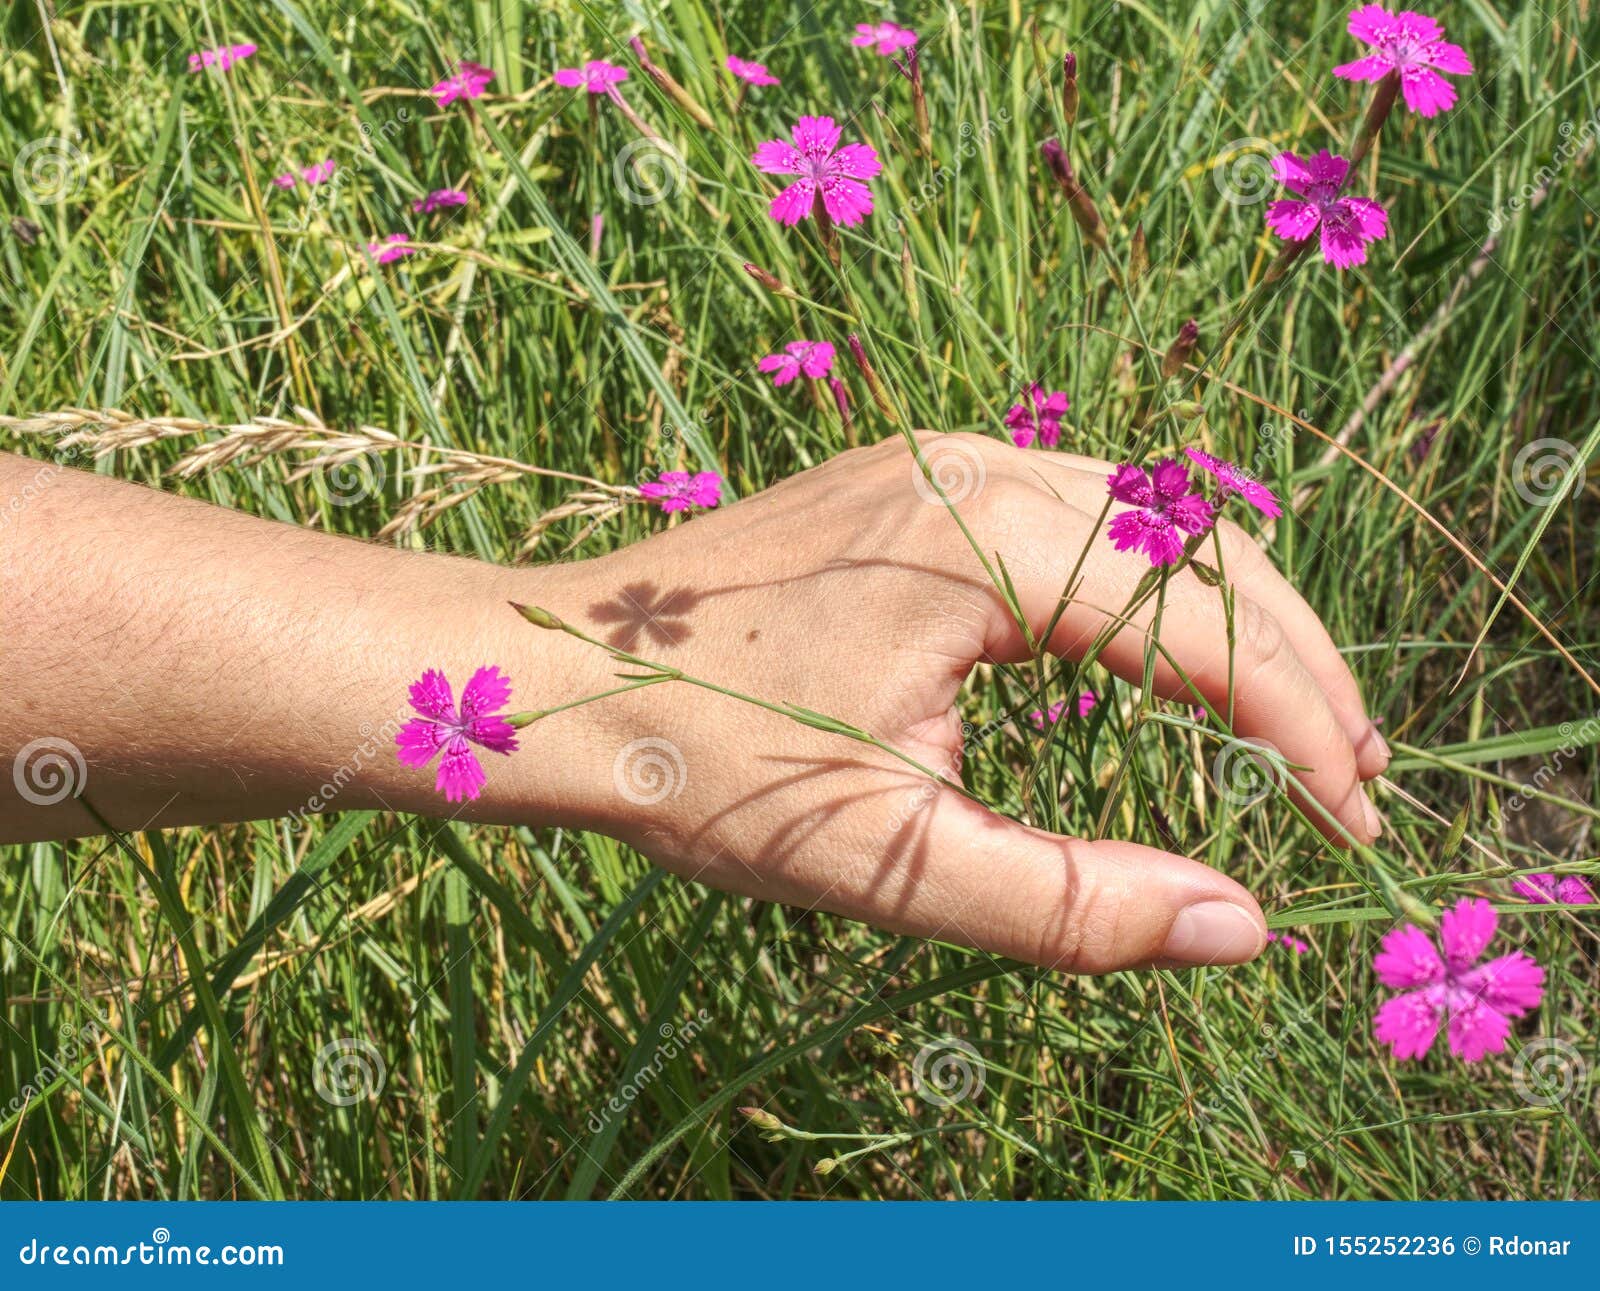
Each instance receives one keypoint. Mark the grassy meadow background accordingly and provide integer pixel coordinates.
(369, 1006)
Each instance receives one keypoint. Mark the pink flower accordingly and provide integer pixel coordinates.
(1231, 479)
(889, 38)
(1547, 889)
(221, 58)
(1086, 702)
(1348, 223)
(1411, 44)
(679, 491)
(439, 198)
(390, 249)
(320, 173)
(444, 726)
(1166, 505)
(753, 73)
(1038, 416)
(1290, 942)
(816, 157)
(597, 76)
(285, 180)
(1478, 1002)
(469, 82)
(814, 358)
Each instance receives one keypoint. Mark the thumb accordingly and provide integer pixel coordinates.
(1068, 904)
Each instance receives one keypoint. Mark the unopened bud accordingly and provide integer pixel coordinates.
(874, 386)
(669, 83)
(1079, 202)
(519, 720)
(841, 397)
(1180, 350)
(539, 618)
(767, 280)
(1069, 88)
(761, 1119)
(1186, 410)
(826, 1166)
(1138, 255)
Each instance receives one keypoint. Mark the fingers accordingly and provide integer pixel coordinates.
(1080, 481)
(961, 873)
(1276, 698)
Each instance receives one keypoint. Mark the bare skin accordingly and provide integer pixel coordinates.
(215, 667)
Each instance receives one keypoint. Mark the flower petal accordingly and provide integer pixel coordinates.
(1511, 984)
(488, 691)
(1466, 930)
(1407, 1024)
(1477, 1031)
(432, 697)
(461, 775)
(848, 201)
(1293, 220)
(816, 132)
(775, 157)
(1407, 959)
(794, 203)
(418, 740)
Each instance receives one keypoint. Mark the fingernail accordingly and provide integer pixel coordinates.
(1369, 813)
(1376, 736)
(1214, 932)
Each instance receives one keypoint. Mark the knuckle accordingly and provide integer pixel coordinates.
(1261, 634)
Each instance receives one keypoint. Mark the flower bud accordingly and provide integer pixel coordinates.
(1069, 88)
(1178, 353)
(669, 83)
(826, 1166)
(874, 386)
(761, 1119)
(1081, 204)
(539, 618)
(767, 280)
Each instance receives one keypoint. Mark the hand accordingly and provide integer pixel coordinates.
(850, 590)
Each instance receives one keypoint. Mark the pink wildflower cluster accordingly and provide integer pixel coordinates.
(221, 58)
(469, 82)
(1166, 505)
(680, 491)
(318, 174)
(887, 38)
(1551, 889)
(438, 199)
(444, 728)
(1476, 1002)
(391, 248)
(1409, 47)
(812, 154)
(1042, 718)
(750, 73)
(1289, 942)
(597, 76)
(810, 358)
(1037, 416)
(1413, 45)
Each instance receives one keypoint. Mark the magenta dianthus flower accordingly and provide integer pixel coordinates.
(750, 72)
(1549, 889)
(443, 726)
(679, 491)
(597, 76)
(1166, 506)
(222, 58)
(1478, 1001)
(390, 248)
(813, 358)
(1037, 416)
(1411, 44)
(815, 156)
(439, 198)
(889, 38)
(1085, 705)
(1289, 942)
(1347, 223)
(1232, 479)
(469, 82)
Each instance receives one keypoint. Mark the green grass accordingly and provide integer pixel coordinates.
(504, 991)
